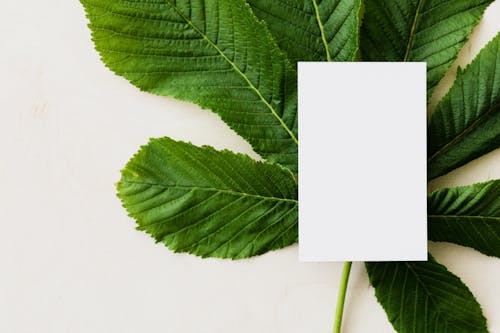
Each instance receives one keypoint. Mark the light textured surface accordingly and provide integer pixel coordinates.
(70, 258)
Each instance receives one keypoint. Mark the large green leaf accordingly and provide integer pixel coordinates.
(313, 30)
(213, 53)
(466, 122)
(210, 203)
(424, 297)
(468, 216)
(433, 31)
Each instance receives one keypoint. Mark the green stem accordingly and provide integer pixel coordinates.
(344, 279)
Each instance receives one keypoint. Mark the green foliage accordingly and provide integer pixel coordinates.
(213, 53)
(466, 122)
(209, 203)
(468, 216)
(313, 30)
(238, 59)
(433, 31)
(425, 297)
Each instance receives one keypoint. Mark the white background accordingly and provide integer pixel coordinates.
(70, 259)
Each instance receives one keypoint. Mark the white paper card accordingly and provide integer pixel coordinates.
(362, 161)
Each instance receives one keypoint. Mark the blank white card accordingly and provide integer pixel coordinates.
(362, 161)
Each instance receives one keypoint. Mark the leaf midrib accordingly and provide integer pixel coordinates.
(247, 80)
(212, 189)
(321, 30)
(473, 217)
(412, 31)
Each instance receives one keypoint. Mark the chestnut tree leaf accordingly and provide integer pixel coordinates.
(433, 31)
(216, 54)
(466, 122)
(313, 30)
(425, 297)
(210, 203)
(468, 216)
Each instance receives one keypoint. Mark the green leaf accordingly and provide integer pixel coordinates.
(466, 122)
(433, 31)
(214, 53)
(424, 297)
(313, 30)
(210, 203)
(468, 216)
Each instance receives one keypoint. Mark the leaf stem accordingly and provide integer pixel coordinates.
(344, 279)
